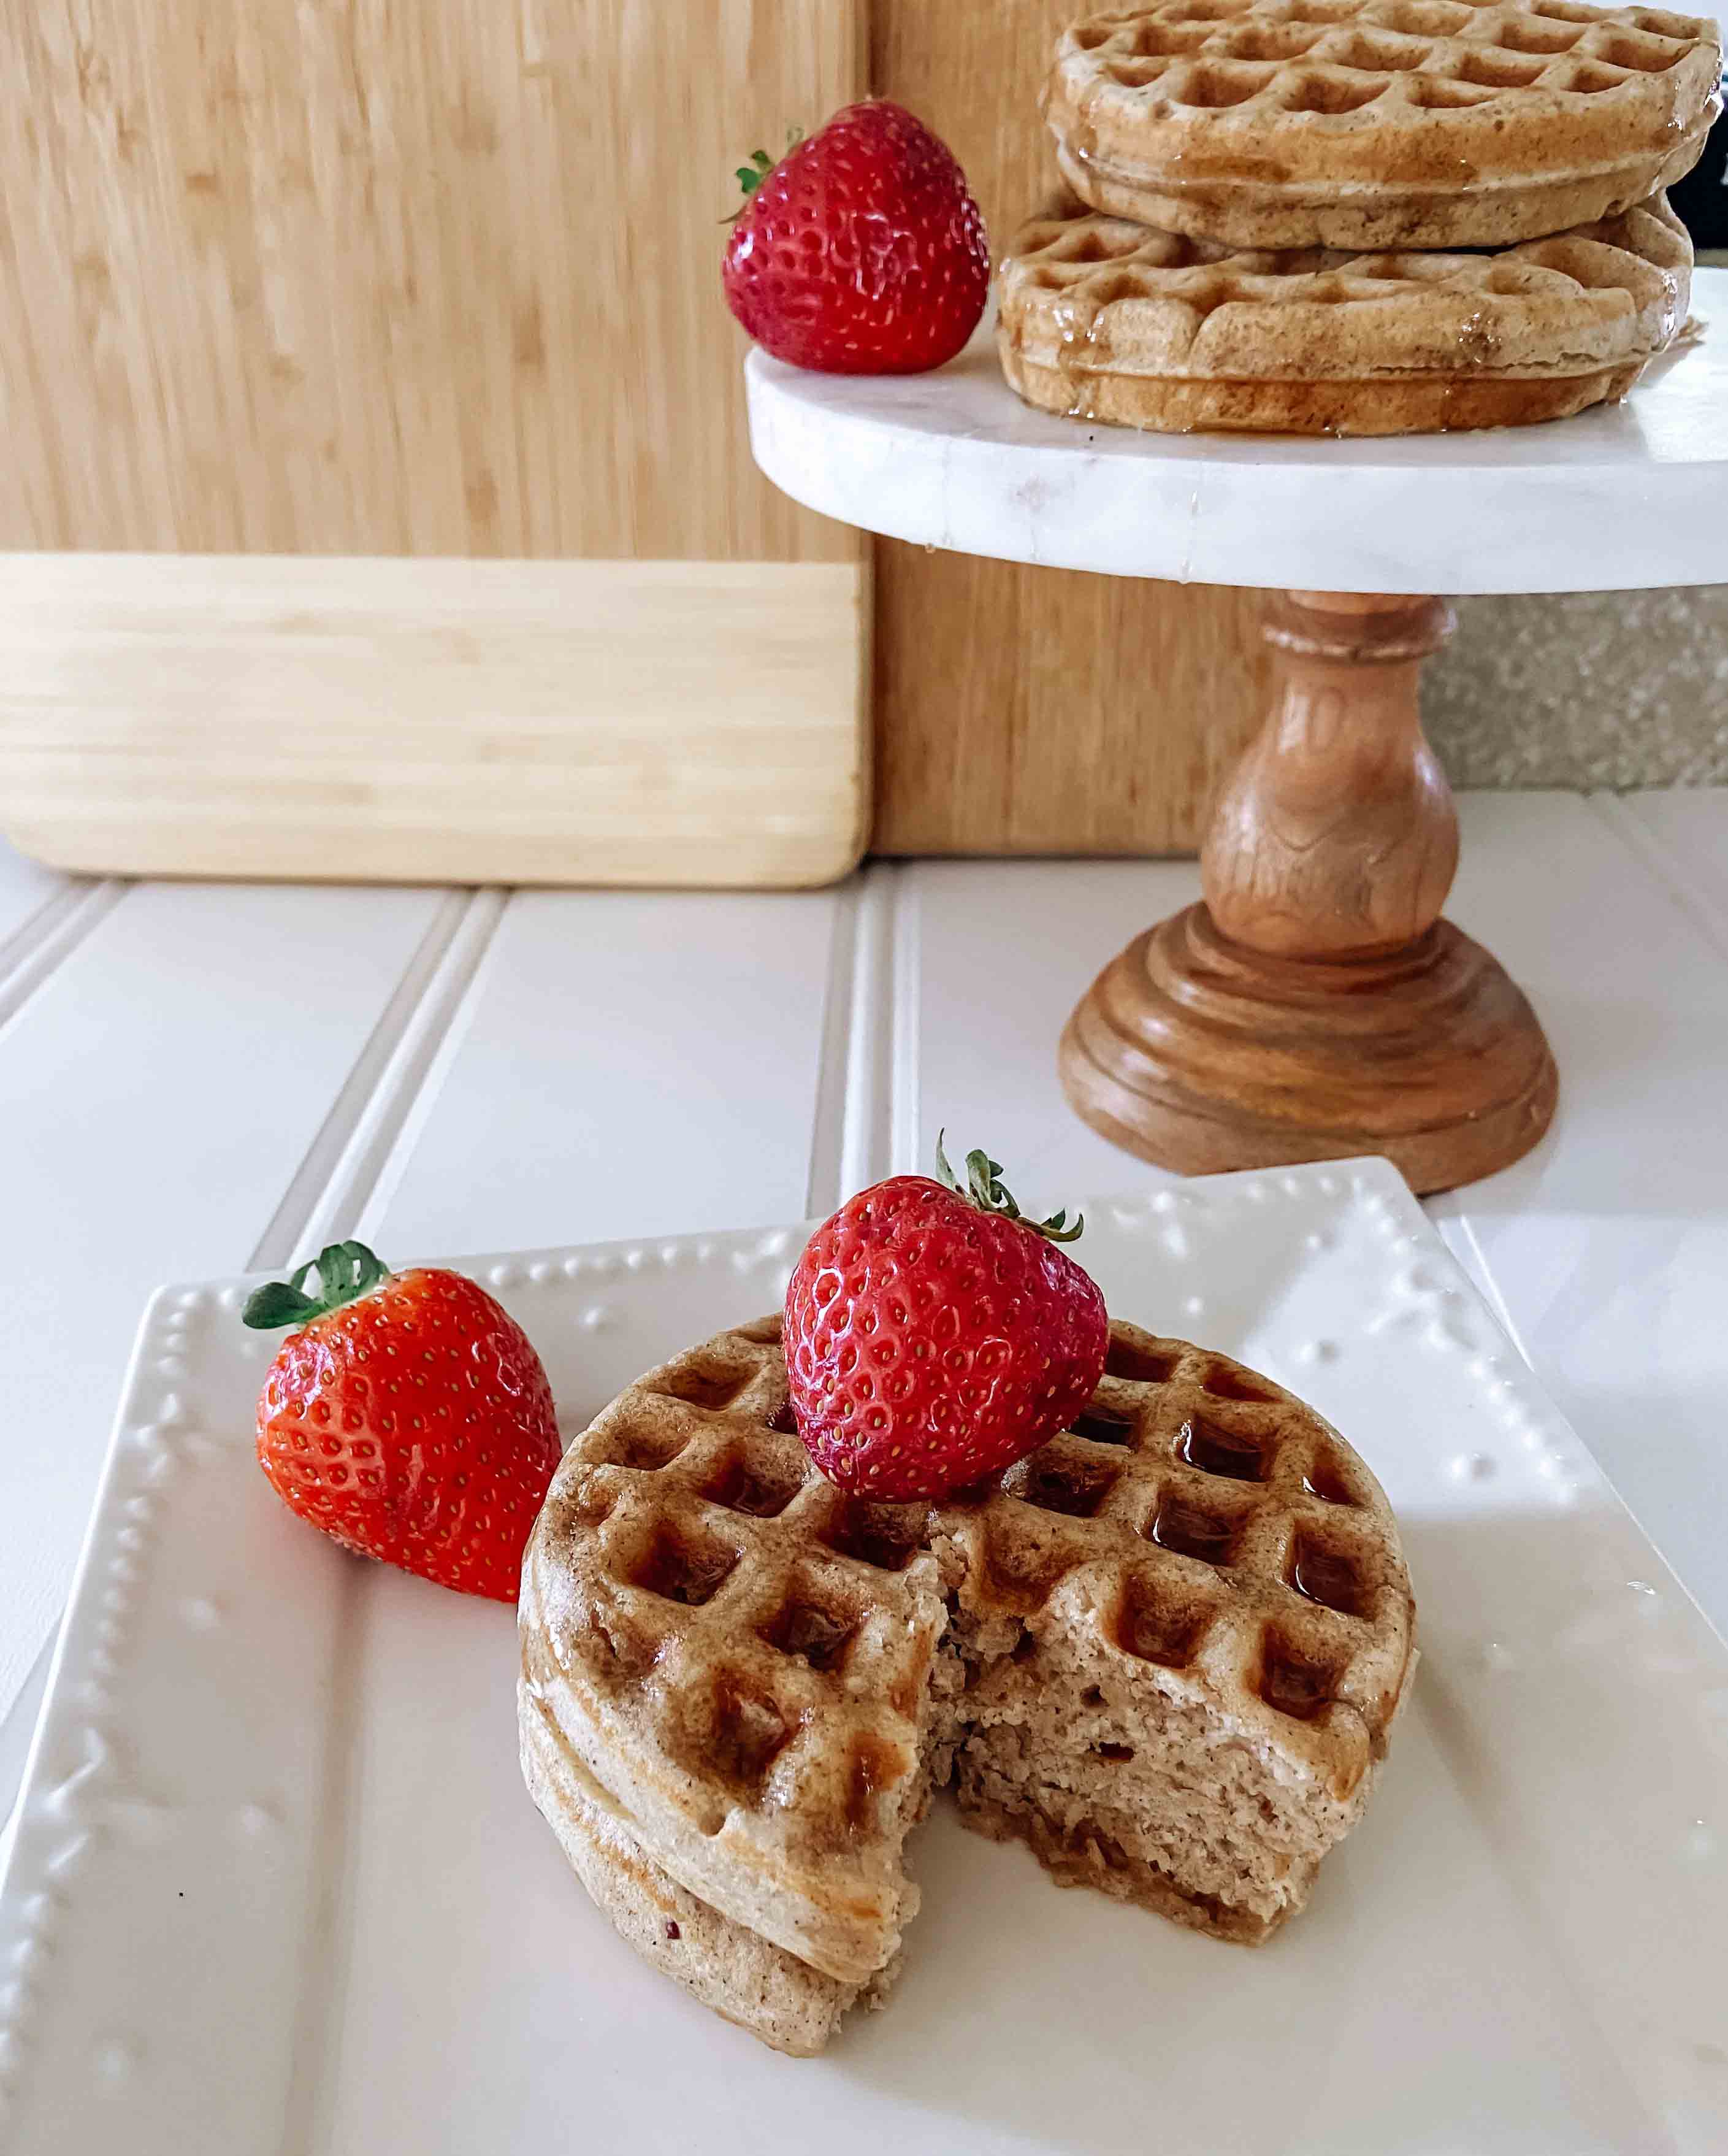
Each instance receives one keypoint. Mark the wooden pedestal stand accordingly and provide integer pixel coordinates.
(1316, 1006)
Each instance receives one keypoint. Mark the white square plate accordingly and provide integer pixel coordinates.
(277, 1890)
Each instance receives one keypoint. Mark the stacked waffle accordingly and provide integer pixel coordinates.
(1165, 1651)
(1370, 217)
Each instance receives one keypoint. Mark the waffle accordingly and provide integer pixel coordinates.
(1101, 319)
(1379, 123)
(1165, 1651)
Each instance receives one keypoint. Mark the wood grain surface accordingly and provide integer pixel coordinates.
(360, 280)
(1335, 836)
(435, 721)
(1047, 711)
(1316, 1007)
(1036, 710)
(355, 280)
(366, 279)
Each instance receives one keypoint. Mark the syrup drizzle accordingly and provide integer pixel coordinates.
(1075, 351)
(1323, 1481)
(1215, 1450)
(1190, 1531)
(1327, 1578)
(1103, 1427)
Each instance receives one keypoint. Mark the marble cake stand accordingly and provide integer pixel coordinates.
(1315, 1005)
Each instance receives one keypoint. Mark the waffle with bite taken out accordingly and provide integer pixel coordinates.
(1165, 1651)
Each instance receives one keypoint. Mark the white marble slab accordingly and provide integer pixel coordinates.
(1625, 496)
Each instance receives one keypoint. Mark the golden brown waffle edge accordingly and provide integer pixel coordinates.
(1402, 124)
(1102, 319)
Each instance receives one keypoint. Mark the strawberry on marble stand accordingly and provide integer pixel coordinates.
(862, 251)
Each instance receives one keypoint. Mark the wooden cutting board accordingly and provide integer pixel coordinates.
(317, 293)
(285, 284)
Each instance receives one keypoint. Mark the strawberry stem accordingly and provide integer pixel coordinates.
(750, 177)
(345, 1272)
(985, 1188)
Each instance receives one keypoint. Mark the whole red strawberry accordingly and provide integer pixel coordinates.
(861, 251)
(934, 1336)
(409, 1418)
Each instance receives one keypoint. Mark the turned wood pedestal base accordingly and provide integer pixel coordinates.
(1316, 1006)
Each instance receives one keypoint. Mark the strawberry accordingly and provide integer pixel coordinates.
(861, 251)
(409, 1418)
(934, 1336)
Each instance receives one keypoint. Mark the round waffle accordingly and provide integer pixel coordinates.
(1165, 1650)
(1101, 319)
(1379, 123)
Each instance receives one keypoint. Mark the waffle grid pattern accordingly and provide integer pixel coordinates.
(772, 1612)
(1093, 262)
(1221, 1532)
(1336, 57)
(1233, 1538)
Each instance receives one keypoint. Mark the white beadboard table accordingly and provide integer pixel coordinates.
(198, 1079)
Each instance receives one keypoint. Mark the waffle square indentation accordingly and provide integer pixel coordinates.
(1226, 1383)
(814, 1629)
(1321, 1569)
(1325, 1479)
(1294, 1683)
(751, 1730)
(1204, 1531)
(762, 1490)
(1155, 1626)
(885, 1535)
(645, 1449)
(682, 1567)
(1102, 1425)
(704, 1387)
(1215, 1449)
(1063, 1485)
(1142, 1365)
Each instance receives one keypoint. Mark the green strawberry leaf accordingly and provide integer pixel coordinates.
(750, 177)
(985, 1188)
(345, 1272)
(275, 1303)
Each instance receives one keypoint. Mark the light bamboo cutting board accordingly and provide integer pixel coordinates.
(302, 291)
(438, 283)
(618, 722)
